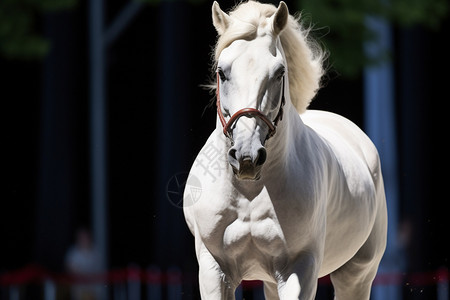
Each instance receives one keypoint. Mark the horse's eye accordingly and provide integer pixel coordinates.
(221, 74)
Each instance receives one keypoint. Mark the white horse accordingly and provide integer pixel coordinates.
(279, 193)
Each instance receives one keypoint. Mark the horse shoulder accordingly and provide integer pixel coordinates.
(200, 174)
(208, 211)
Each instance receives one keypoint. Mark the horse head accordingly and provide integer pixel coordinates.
(250, 91)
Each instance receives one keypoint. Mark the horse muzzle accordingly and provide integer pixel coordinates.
(246, 167)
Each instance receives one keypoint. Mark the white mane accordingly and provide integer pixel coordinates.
(304, 57)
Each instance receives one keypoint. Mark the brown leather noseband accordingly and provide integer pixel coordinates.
(248, 112)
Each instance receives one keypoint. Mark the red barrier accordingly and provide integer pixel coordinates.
(37, 274)
(26, 275)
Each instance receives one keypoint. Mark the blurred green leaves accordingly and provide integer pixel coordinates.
(19, 38)
(341, 25)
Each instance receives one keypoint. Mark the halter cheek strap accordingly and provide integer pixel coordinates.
(248, 112)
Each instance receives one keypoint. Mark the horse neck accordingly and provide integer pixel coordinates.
(289, 130)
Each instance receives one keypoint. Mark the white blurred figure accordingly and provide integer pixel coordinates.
(82, 262)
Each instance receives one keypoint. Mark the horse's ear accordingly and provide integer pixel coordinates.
(280, 18)
(220, 19)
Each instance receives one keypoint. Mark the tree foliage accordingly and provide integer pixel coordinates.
(343, 25)
(19, 38)
(340, 24)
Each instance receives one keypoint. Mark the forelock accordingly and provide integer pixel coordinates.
(246, 18)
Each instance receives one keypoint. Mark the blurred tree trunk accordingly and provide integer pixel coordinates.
(58, 170)
(172, 116)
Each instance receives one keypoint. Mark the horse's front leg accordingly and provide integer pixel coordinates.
(214, 283)
(301, 282)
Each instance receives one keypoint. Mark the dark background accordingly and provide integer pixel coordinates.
(158, 119)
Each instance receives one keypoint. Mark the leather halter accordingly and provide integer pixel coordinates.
(248, 112)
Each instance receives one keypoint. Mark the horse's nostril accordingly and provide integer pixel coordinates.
(232, 159)
(232, 153)
(262, 155)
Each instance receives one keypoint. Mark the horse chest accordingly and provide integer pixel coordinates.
(254, 227)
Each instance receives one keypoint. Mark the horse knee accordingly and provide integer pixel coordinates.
(301, 285)
(290, 290)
